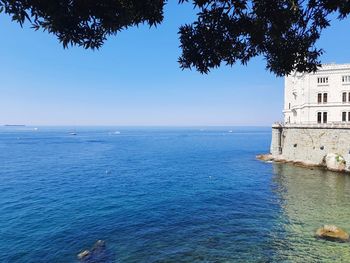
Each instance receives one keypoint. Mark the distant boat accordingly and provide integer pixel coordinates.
(73, 133)
(117, 132)
(14, 125)
(230, 131)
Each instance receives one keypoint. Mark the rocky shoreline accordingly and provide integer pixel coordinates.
(331, 162)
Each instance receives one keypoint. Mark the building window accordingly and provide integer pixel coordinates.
(343, 118)
(321, 96)
(322, 80)
(289, 105)
(325, 97)
(322, 117)
(319, 117)
(325, 117)
(346, 79)
(344, 96)
(344, 114)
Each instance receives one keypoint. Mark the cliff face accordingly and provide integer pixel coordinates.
(323, 146)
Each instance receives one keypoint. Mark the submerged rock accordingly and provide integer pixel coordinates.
(335, 162)
(84, 254)
(265, 157)
(97, 254)
(333, 233)
(99, 245)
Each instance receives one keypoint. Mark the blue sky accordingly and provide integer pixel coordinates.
(135, 80)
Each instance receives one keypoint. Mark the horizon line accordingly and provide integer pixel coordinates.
(132, 125)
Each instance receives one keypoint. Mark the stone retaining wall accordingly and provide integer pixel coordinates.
(310, 145)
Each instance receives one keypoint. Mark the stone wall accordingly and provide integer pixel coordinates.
(310, 145)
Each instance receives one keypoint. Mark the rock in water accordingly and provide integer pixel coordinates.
(335, 162)
(84, 255)
(97, 254)
(333, 233)
(265, 157)
(99, 245)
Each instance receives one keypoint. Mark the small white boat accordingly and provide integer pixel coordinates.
(73, 133)
(117, 132)
(230, 131)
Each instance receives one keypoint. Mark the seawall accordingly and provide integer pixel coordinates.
(312, 145)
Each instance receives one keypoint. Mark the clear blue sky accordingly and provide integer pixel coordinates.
(135, 80)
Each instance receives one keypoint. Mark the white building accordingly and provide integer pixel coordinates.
(320, 97)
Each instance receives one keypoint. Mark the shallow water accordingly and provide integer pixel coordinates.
(162, 195)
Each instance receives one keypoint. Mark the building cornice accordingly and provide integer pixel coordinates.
(332, 66)
(327, 68)
(316, 105)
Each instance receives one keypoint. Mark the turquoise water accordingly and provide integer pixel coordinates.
(162, 195)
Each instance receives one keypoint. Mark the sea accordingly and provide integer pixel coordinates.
(162, 194)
